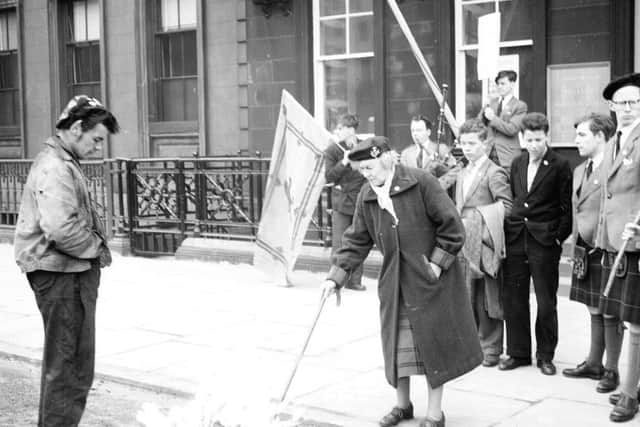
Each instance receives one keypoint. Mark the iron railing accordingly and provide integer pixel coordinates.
(158, 202)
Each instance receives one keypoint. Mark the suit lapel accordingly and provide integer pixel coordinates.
(579, 181)
(476, 181)
(543, 169)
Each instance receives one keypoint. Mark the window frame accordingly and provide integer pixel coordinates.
(318, 59)
(461, 50)
(15, 131)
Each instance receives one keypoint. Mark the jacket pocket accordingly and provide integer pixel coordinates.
(429, 273)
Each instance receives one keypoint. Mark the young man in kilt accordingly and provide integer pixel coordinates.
(592, 134)
(620, 205)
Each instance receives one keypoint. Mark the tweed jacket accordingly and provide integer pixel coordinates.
(409, 157)
(586, 198)
(504, 129)
(620, 194)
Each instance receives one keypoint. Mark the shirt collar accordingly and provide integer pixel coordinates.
(478, 163)
(506, 99)
(597, 159)
(540, 159)
(625, 131)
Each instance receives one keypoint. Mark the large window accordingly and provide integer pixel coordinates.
(82, 53)
(9, 82)
(344, 61)
(175, 80)
(516, 30)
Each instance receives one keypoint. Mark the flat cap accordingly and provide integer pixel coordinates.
(370, 148)
(614, 85)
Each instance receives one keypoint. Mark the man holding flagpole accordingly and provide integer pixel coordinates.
(346, 186)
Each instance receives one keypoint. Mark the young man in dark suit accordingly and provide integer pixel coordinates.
(346, 186)
(503, 116)
(540, 220)
(592, 134)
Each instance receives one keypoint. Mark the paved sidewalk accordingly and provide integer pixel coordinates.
(174, 325)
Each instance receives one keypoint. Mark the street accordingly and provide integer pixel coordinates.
(109, 404)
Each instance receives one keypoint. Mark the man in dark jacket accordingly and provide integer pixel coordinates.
(540, 220)
(346, 186)
(61, 246)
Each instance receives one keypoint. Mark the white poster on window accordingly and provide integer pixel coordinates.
(505, 62)
(488, 45)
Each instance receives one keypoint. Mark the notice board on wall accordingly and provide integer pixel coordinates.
(574, 90)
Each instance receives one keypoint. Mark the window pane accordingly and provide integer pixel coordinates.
(9, 71)
(331, 7)
(190, 58)
(9, 108)
(332, 37)
(349, 87)
(188, 13)
(176, 52)
(515, 20)
(470, 15)
(86, 60)
(473, 99)
(169, 12)
(360, 6)
(93, 20)
(361, 34)
(12, 30)
(79, 21)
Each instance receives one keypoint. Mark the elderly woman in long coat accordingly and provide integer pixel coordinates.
(426, 320)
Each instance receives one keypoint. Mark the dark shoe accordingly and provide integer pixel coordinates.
(546, 367)
(609, 382)
(625, 409)
(613, 399)
(490, 361)
(512, 363)
(428, 422)
(396, 415)
(358, 287)
(584, 371)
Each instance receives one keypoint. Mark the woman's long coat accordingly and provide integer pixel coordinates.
(428, 229)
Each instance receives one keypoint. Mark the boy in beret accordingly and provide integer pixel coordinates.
(620, 205)
(406, 213)
(61, 246)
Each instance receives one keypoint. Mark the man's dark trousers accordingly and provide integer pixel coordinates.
(67, 302)
(526, 259)
(339, 223)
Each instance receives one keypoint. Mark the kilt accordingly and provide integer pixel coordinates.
(623, 301)
(589, 289)
(408, 360)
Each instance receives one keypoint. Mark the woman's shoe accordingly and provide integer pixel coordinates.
(428, 422)
(396, 415)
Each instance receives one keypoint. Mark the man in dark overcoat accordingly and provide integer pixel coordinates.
(416, 226)
(347, 183)
(540, 220)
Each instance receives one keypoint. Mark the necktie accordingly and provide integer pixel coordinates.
(616, 148)
(589, 169)
(420, 159)
(499, 110)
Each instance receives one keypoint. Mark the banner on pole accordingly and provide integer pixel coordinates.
(296, 179)
(488, 45)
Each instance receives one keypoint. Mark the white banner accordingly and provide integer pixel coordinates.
(488, 45)
(296, 178)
